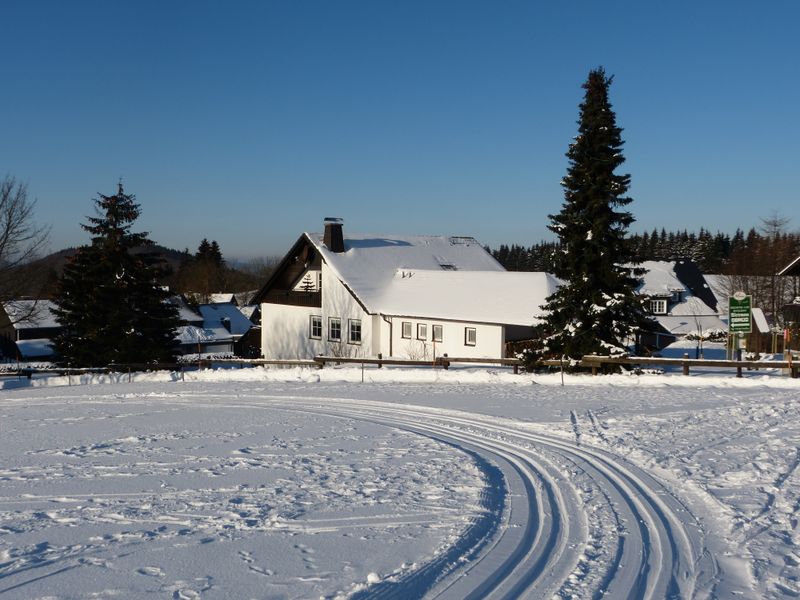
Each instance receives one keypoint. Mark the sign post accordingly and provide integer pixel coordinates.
(739, 320)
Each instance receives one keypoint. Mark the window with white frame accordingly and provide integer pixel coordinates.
(354, 331)
(315, 328)
(658, 306)
(436, 331)
(406, 330)
(470, 336)
(335, 329)
(422, 331)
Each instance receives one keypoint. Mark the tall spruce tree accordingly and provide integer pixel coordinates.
(597, 310)
(110, 304)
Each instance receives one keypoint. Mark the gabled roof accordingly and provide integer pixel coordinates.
(369, 262)
(185, 312)
(213, 314)
(503, 297)
(31, 314)
(221, 297)
(659, 278)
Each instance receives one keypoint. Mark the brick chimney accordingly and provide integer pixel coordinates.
(333, 238)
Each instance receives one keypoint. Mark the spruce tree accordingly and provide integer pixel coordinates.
(110, 304)
(597, 310)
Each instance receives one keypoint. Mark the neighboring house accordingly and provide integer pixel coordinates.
(250, 343)
(232, 326)
(27, 328)
(403, 296)
(680, 300)
(213, 328)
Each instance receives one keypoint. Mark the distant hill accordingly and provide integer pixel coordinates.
(49, 268)
(56, 260)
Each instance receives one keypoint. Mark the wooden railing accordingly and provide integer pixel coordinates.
(594, 363)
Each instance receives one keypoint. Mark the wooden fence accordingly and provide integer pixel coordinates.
(593, 363)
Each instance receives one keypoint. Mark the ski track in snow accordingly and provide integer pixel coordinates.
(586, 509)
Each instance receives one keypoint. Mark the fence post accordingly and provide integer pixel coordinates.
(380, 357)
(685, 363)
(738, 359)
(445, 362)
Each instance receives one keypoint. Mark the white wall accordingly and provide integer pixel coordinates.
(285, 329)
(490, 342)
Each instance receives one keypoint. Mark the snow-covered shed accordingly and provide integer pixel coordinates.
(402, 296)
(27, 328)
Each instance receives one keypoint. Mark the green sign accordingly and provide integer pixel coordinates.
(739, 313)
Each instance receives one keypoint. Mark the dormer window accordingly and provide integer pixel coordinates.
(658, 306)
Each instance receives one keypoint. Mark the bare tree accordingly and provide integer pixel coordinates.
(21, 240)
(753, 268)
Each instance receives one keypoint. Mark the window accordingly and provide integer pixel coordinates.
(315, 329)
(436, 330)
(354, 330)
(335, 329)
(658, 307)
(422, 331)
(470, 336)
(319, 281)
(406, 332)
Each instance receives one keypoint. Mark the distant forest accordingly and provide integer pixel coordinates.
(757, 252)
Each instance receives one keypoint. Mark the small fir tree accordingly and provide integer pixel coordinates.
(110, 304)
(596, 311)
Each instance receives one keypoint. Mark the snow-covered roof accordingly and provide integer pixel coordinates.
(691, 313)
(721, 288)
(760, 323)
(35, 348)
(213, 314)
(219, 298)
(369, 262)
(189, 334)
(659, 278)
(248, 310)
(185, 313)
(510, 298)
(685, 324)
(42, 315)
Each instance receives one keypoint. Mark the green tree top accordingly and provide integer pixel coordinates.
(110, 303)
(596, 310)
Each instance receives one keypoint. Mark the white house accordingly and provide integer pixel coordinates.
(401, 296)
(680, 299)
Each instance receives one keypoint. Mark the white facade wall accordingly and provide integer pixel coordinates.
(286, 330)
(489, 340)
(337, 301)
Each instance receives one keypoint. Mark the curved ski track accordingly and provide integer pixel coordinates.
(535, 536)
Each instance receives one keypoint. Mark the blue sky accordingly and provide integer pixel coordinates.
(248, 122)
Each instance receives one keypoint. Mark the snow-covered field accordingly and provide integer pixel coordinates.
(471, 483)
